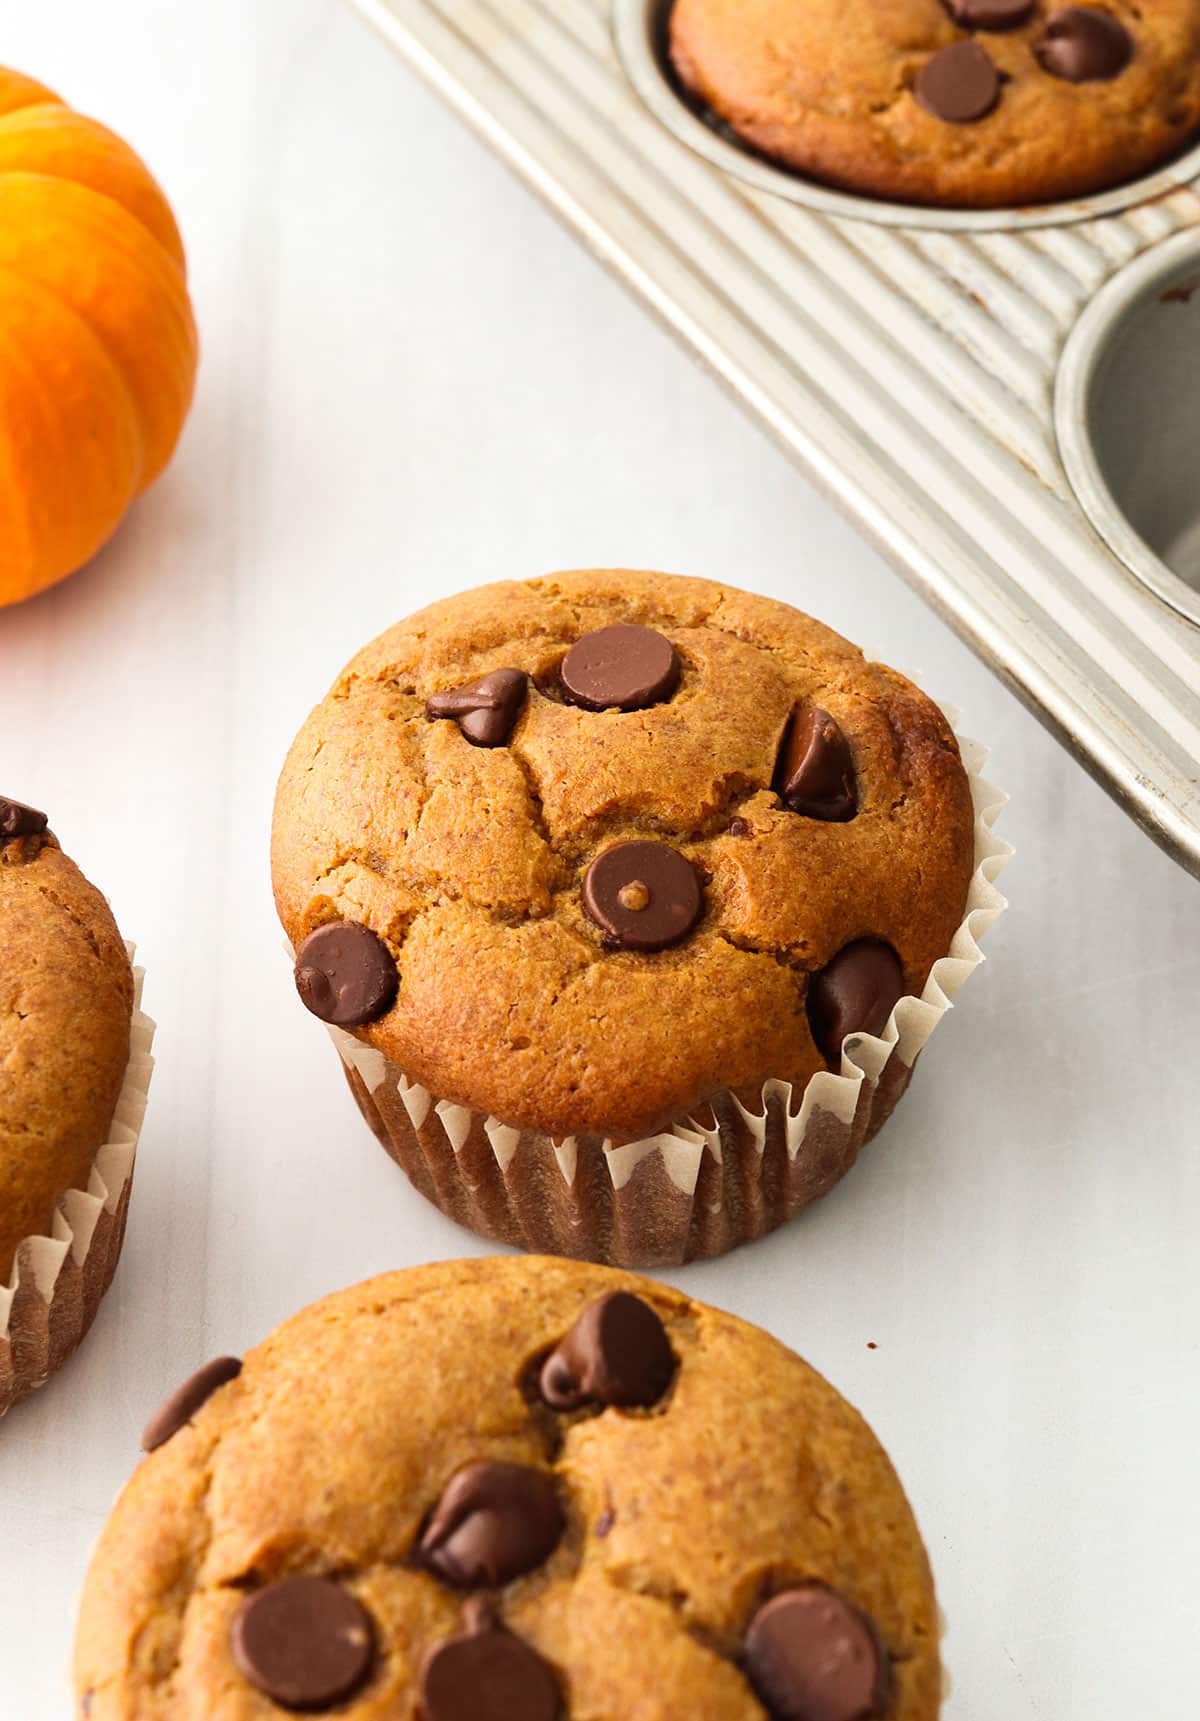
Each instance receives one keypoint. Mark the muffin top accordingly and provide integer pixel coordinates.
(511, 1487)
(66, 1002)
(680, 840)
(976, 103)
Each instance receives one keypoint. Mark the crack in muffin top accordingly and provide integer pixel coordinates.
(470, 862)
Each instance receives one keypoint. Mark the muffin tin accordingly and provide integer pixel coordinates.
(1000, 400)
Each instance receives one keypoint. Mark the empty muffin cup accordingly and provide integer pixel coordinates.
(1127, 412)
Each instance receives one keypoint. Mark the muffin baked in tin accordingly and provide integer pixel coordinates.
(967, 103)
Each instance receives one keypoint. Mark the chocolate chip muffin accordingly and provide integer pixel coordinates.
(66, 1007)
(969, 103)
(510, 1487)
(604, 882)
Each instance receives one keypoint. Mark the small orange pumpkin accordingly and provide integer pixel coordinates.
(98, 344)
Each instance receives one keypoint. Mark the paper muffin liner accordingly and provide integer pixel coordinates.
(709, 1182)
(57, 1281)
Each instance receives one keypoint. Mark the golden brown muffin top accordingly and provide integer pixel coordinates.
(66, 1002)
(623, 1566)
(473, 863)
(1076, 98)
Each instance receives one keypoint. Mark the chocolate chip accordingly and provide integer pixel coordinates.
(616, 1353)
(990, 14)
(485, 710)
(493, 1522)
(662, 911)
(815, 774)
(486, 1674)
(17, 820)
(187, 1399)
(623, 666)
(854, 994)
(1084, 44)
(604, 1523)
(739, 828)
(305, 1643)
(345, 974)
(812, 1656)
(958, 85)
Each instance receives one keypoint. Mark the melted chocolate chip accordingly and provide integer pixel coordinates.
(854, 994)
(18, 820)
(305, 1643)
(493, 1522)
(990, 14)
(345, 974)
(186, 1400)
(623, 666)
(812, 1656)
(485, 710)
(959, 84)
(815, 775)
(486, 1674)
(646, 896)
(739, 828)
(1084, 44)
(616, 1353)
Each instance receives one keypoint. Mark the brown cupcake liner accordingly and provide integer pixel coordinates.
(708, 1183)
(57, 1281)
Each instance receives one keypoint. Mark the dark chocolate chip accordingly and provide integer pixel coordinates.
(990, 14)
(739, 828)
(305, 1643)
(17, 820)
(623, 666)
(1084, 44)
(645, 895)
(854, 994)
(485, 710)
(616, 1353)
(187, 1399)
(345, 974)
(815, 775)
(959, 84)
(812, 1656)
(493, 1522)
(486, 1674)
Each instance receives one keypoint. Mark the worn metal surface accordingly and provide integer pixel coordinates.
(909, 369)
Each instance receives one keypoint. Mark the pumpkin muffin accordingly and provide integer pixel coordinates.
(968, 103)
(66, 1007)
(609, 885)
(510, 1487)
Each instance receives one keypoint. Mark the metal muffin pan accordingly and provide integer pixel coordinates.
(907, 358)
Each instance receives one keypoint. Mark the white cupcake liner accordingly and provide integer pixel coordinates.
(698, 1188)
(57, 1281)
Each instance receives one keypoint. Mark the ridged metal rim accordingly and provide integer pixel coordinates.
(638, 26)
(1079, 369)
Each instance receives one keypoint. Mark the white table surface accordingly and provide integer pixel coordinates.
(414, 382)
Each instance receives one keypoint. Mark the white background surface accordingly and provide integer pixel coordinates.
(414, 382)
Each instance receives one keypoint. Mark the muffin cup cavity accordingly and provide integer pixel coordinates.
(734, 1172)
(57, 1281)
(1127, 415)
(641, 31)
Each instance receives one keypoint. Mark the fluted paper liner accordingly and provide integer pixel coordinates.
(57, 1281)
(708, 1183)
